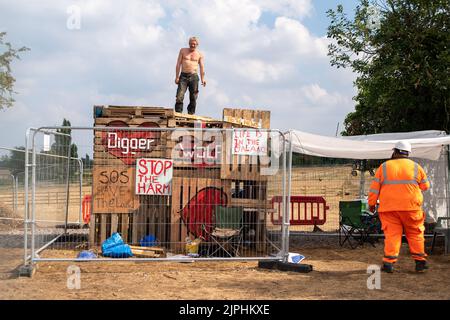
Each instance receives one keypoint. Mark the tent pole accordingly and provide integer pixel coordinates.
(362, 179)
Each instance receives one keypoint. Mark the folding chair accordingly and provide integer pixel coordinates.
(226, 234)
(443, 227)
(357, 224)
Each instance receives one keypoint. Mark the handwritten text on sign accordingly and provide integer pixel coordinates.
(154, 176)
(249, 142)
(113, 189)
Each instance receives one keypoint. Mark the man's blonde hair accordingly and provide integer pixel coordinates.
(194, 39)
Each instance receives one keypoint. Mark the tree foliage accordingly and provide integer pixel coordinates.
(15, 161)
(400, 51)
(63, 140)
(47, 165)
(63, 147)
(6, 78)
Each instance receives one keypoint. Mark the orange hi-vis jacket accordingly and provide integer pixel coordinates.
(397, 185)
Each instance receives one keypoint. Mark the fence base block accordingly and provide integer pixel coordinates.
(267, 264)
(285, 266)
(27, 271)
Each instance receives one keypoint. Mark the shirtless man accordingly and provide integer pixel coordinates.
(188, 61)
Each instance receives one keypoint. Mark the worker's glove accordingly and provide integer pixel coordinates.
(372, 209)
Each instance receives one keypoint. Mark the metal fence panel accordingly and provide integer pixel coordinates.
(12, 208)
(333, 180)
(53, 180)
(170, 193)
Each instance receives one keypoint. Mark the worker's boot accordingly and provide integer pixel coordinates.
(387, 267)
(421, 265)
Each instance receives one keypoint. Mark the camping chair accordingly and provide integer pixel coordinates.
(357, 224)
(443, 228)
(226, 234)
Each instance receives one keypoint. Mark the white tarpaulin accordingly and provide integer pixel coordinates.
(426, 149)
(425, 144)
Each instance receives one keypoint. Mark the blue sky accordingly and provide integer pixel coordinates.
(263, 54)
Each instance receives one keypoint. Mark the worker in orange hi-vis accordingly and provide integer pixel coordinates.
(398, 186)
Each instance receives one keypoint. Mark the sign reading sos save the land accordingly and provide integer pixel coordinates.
(249, 142)
(154, 177)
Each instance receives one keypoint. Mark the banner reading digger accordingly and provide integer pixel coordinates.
(154, 177)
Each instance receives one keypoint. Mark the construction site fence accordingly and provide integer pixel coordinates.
(155, 194)
(328, 181)
(12, 182)
(72, 203)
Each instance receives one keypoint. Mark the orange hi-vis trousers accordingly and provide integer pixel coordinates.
(412, 223)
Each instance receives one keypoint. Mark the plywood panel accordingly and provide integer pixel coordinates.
(113, 189)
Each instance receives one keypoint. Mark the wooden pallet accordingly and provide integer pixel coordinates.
(164, 117)
(151, 218)
(160, 121)
(131, 111)
(102, 226)
(245, 118)
(148, 252)
(186, 116)
(160, 215)
(184, 189)
(187, 171)
(242, 167)
(102, 155)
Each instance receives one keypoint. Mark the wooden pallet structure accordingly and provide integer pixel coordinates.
(148, 252)
(117, 207)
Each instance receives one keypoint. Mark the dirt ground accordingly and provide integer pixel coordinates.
(339, 273)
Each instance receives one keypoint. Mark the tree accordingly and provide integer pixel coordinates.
(87, 162)
(6, 78)
(15, 161)
(400, 51)
(61, 148)
(61, 144)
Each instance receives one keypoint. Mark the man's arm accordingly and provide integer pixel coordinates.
(178, 67)
(424, 184)
(202, 70)
(375, 188)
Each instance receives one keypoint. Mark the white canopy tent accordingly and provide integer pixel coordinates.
(425, 144)
(427, 149)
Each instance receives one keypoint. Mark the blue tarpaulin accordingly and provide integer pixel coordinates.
(114, 247)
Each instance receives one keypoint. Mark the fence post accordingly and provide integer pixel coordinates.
(26, 197)
(16, 204)
(13, 193)
(80, 163)
(447, 184)
(33, 197)
(68, 182)
(362, 180)
(287, 195)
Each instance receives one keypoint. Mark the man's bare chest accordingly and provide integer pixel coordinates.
(191, 57)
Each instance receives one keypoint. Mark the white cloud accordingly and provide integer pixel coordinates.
(260, 71)
(314, 92)
(297, 38)
(125, 53)
(290, 8)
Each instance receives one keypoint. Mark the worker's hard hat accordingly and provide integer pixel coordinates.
(403, 146)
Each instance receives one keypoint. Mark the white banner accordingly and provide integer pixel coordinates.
(249, 142)
(154, 176)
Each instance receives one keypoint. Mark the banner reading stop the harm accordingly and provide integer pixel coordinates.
(154, 176)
